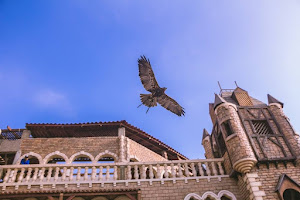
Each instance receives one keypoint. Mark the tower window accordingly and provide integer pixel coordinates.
(221, 144)
(227, 127)
(262, 127)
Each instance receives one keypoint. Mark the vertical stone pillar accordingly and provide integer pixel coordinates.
(238, 145)
(26, 134)
(122, 146)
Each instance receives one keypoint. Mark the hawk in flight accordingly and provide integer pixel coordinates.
(157, 93)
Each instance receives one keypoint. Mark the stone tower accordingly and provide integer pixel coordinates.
(251, 135)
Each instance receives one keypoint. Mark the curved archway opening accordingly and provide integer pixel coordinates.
(82, 159)
(29, 159)
(56, 159)
(106, 159)
(291, 194)
(225, 198)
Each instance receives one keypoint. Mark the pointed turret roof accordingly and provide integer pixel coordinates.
(205, 134)
(218, 100)
(273, 100)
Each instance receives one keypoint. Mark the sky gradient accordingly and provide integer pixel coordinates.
(76, 61)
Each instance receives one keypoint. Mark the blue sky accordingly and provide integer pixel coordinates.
(76, 61)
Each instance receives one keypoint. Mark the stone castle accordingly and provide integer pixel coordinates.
(252, 153)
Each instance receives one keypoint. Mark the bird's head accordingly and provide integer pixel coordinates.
(164, 88)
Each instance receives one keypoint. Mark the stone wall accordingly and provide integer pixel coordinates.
(9, 145)
(156, 191)
(70, 146)
(141, 153)
(269, 177)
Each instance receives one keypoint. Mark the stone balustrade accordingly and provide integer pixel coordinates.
(108, 173)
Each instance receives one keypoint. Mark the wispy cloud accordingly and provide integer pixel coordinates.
(50, 99)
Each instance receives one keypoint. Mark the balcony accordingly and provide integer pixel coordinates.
(55, 175)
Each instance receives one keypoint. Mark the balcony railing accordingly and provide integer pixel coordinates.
(112, 173)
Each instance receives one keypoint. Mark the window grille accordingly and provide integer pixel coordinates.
(262, 127)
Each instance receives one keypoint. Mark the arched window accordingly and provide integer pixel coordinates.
(291, 194)
(56, 160)
(30, 158)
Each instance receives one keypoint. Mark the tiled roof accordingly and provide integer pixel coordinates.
(97, 129)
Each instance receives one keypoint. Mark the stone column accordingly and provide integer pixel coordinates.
(122, 146)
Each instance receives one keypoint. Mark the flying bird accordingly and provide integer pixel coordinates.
(157, 93)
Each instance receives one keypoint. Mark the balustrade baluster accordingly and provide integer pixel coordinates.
(136, 172)
(215, 173)
(100, 177)
(49, 174)
(107, 172)
(115, 173)
(143, 176)
(63, 178)
(200, 169)
(35, 174)
(28, 174)
(71, 173)
(173, 173)
(207, 169)
(14, 175)
(93, 173)
(193, 169)
(56, 174)
(158, 172)
(41, 175)
(180, 174)
(151, 175)
(186, 170)
(221, 168)
(86, 173)
(21, 176)
(129, 176)
(78, 176)
(7, 176)
(166, 173)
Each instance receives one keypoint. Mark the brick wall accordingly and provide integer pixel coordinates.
(157, 191)
(142, 153)
(70, 146)
(269, 177)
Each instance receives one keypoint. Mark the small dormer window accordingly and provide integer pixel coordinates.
(262, 127)
(241, 97)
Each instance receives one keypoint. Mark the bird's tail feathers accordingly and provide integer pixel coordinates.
(148, 100)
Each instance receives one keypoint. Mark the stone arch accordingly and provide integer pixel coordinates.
(58, 153)
(81, 153)
(192, 195)
(106, 153)
(38, 157)
(210, 194)
(226, 193)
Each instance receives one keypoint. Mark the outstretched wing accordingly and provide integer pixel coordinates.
(146, 74)
(170, 104)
